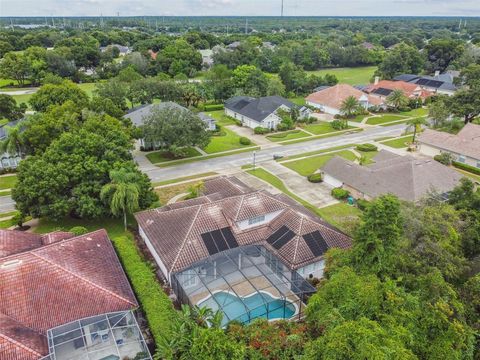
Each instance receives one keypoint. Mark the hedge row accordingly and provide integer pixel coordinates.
(155, 303)
(213, 107)
(466, 167)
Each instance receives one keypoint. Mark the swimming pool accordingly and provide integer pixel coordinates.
(257, 305)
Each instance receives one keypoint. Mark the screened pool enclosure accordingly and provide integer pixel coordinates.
(244, 283)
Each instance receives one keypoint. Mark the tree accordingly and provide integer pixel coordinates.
(115, 91)
(9, 109)
(438, 113)
(121, 193)
(350, 106)
(397, 99)
(465, 103)
(248, 80)
(16, 66)
(404, 59)
(13, 142)
(442, 52)
(52, 94)
(416, 125)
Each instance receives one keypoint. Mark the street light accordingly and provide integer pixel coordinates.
(254, 154)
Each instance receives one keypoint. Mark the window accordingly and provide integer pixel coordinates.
(461, 158)
(256, 220)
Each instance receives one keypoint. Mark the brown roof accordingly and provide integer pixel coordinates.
(54, 284)
(335, 95)
(409, 89)
(466, 142)
(13, 242)
(404, 176)
(175, 233)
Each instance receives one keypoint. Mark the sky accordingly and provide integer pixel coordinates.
(240, 7)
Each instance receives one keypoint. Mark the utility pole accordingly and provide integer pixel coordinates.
(254, 155)
(246, 26)
(11, 24)
(282, 9)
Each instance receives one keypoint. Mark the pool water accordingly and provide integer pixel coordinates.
(258, 305)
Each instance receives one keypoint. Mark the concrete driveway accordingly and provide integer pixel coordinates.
(6, 204)
(247, 132)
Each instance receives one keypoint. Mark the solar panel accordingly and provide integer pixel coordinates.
(289, 235)
(277, 234)
(422, 81)
(316, 243)
(209, 243)
(382, 91)
(219, 240)
(229, 238)
(435, 83)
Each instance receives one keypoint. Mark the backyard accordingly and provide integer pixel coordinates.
(349, 75)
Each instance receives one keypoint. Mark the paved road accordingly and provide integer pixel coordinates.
(237, 160)
(6, 204)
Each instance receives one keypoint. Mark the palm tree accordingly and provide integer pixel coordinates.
(13, 142)
(349, 106)
(416, 124)
(397, 99)
(122, 193)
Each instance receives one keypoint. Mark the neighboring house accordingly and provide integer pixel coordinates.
(261, 112)
(465, 146)
(330, 100)
(123, 50)
(268, 45)
(233, 45)
(368, 46)
(234, 243)
(207, 58)
(438, 84)
(409, 178)
(65, 297)
(153, 54)
(138, 115)
(8, 161)
(383, 88)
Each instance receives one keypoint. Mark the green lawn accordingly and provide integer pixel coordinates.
(399, 143)
(382, 119)
(472, 176)
(7, 181)
(185, 178)
(227, 142)
(316, 152)
(359, 118)
(369, 156)
(309, 165)
(8, 82)
(299, 100)
(416, 112)
(164, 156)
(287, 135)
(220, 117)
(320, 128)
(89, 88)
(352, 76)
(322, 136)
(343, 216)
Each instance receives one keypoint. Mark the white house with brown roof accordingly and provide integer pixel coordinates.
(464, 146)
(330, 100)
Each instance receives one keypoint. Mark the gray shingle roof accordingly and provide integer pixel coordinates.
(407, 177)
(257, 109)
(137, 115)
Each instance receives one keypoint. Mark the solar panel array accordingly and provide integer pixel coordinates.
(219, 240)
(316, 243)
(280, 237)
(430, 83)
(382, 91)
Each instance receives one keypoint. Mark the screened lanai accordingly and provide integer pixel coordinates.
(244, 283)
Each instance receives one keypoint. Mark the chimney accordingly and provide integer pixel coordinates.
(437, 73)
(377, 79)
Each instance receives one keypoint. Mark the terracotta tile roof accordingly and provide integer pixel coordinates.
(175, 233)
(466, 142)
(13, 242)
(54, 284)
(335, 95)
(409, 89)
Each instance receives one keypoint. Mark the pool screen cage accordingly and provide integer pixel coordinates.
(244, 283)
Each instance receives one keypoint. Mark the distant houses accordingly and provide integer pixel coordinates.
(123, 50)
(464, 146)
(207, 58)
(260, 112)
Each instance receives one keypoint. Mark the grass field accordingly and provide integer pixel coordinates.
(382, 119)
(7, 181)
(287, 135)
(227, 142)
(399, 143)
(352, 76)
(220, 117)
(309, 165)
(164, 156)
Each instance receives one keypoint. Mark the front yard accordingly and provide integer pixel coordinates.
(310, 165)
(164, 156)
(7, 182)
(229, 141)
(385, 118)
(321, 128)
(399, 143)
(287, 135)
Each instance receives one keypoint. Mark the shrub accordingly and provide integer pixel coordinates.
(362, 204)
(338, 125)
(238, 123)
(466, 167)
(245, 141)
(315, 178)
(78, 230)
(260, 130)
(339, 193)
(444, 158)
(366, 147)
(282, 127)
(213, 107)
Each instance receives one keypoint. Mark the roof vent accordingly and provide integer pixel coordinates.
(89, 238)
(149, 222)
(11, 263)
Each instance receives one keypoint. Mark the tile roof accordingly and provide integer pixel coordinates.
(13, 242)
(335, 95)
(404, 176)
(466, 142)
(49, 285)
(175, 233)
(257, 109)
(410, 90)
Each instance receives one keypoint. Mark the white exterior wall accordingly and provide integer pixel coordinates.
(272, 119)
(312, 270)
(323, 108)
(429, 150)
(154, 253)
(330, 180)
(432, 151)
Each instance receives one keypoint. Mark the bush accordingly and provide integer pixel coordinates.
(362, 204)
(315, 178)
(238, 123)
(338, 125)
(213, 107)
(444, 158)
(245, 141)
(78, 230)
(366, 147)
(339, 193)
(466, 167)
(282, 127)
(260, 130)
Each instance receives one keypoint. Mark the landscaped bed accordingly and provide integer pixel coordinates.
(309, 165)
(164, 156)
(287, 135)
(386, 118)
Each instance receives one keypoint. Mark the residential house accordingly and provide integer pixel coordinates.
(330, 99)
(260, 112)
(383, 88)
(234, 246)
(409, 178)
(138, 115)
(234, 45)
(368, 46)
(464, 146)
(123, 50)
(438, 84)
(65, 297)
(8, 161)
(207, 58)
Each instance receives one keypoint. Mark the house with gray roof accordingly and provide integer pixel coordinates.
(8, 161)
(261, 112)
(439, 83)
(409, 178)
